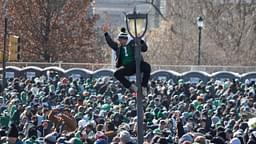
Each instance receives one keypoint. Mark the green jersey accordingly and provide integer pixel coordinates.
(127, 54)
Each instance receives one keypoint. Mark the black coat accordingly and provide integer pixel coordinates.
(251, 141)
(112, 44)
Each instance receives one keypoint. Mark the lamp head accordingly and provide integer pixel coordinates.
(200, 22)
(137, 24)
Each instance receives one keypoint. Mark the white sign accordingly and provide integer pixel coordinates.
(194, 80)
(162, 78)
(224, 79)
(30, 75)
(9, 75)
(76, 76)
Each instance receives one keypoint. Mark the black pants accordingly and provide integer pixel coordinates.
(129, 70)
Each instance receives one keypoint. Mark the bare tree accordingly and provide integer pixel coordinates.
(59, 30)
(227, 39)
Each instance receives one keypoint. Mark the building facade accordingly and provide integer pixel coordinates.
(113, 11)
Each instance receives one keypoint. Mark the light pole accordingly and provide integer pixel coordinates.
(200, 25)
(4, 53)
(5, 8)
(137, 26)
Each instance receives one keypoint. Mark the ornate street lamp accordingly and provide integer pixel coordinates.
(200, 25)
(137, 26)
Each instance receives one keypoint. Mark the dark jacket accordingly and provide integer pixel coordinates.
(115, 47)
(43, 131)
(180, 129)
(251, 141)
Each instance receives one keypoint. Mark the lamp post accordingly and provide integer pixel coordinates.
(5, 8)
(4, 53)
(137, 26)
(200, 25)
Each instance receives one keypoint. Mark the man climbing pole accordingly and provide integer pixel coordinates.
(125, 59)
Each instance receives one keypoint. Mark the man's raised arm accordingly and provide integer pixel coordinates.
(109, 40)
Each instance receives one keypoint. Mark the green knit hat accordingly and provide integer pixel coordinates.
(106, 107)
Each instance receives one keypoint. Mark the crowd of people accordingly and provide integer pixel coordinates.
(55, 110)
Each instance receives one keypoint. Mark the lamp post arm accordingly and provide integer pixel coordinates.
(143, 45)
(154, 6)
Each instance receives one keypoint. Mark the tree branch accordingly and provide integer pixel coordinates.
(154, 6)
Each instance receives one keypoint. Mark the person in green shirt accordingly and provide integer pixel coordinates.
(4, 120)
(125, 59)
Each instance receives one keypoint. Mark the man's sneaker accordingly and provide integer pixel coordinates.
(145, 91)
(134, 88)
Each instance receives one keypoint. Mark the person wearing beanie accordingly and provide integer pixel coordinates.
(125, 60)
(123, 30)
